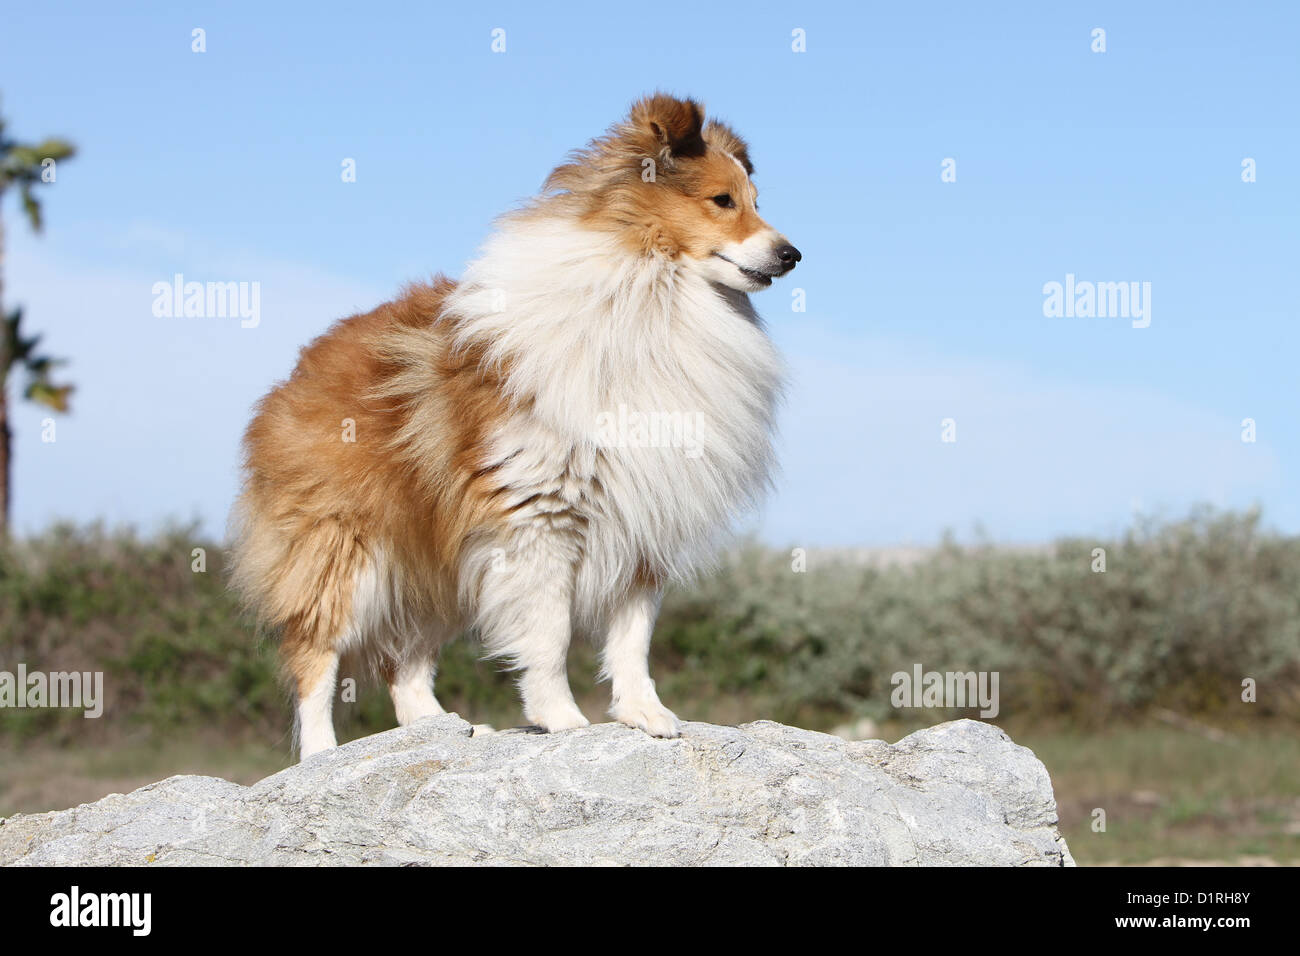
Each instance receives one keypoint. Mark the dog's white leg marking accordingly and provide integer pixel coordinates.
(543, 654)
(412, 690)
(316, 713)
(524, 615)
(544, 686)
(625, 661)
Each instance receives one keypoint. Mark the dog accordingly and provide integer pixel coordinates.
(509, 454)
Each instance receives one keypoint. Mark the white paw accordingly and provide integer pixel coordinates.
(310, 748)
(409, 713)
(648, 715)
(559, 718)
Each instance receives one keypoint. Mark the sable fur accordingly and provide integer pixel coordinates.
(478, 492)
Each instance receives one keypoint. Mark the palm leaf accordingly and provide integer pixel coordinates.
(49, 395)
(21, 165)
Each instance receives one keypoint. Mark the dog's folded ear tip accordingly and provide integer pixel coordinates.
(675, 123)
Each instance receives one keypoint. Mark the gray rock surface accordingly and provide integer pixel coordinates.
(436, 793)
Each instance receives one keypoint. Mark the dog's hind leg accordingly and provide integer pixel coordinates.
(315, 675)
(333, 585)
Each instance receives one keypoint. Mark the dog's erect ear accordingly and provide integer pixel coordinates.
(674, 124)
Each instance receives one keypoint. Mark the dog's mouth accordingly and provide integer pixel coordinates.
(762, 278)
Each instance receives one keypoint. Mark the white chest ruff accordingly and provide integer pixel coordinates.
(645, 394)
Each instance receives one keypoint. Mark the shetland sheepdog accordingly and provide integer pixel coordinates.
(532, 452)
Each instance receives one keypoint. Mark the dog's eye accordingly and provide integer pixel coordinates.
(724, 200)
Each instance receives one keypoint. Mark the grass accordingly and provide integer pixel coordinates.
(41, 777)
(1173, 795)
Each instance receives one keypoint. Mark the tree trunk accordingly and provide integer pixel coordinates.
(5, 434)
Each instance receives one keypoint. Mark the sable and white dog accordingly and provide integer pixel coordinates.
(503, 453)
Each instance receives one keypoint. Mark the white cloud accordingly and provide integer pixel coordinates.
(863, 461)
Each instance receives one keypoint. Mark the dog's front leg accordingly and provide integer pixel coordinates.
(524, 615)
(625, 661)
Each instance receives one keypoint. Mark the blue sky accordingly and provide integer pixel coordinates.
(924, 298)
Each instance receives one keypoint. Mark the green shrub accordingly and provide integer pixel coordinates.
(1183, 613)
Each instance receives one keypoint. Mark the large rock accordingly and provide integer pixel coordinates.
(436, 793)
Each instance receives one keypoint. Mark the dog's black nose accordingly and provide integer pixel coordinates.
(788, 255)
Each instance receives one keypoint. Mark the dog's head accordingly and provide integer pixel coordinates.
(668, 183)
